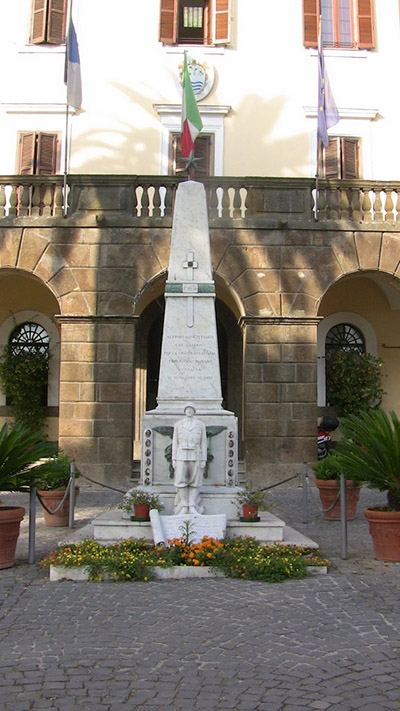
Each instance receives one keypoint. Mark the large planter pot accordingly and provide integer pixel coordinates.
(329, 492)
(52, 499)
(10, 520)
(384, 527)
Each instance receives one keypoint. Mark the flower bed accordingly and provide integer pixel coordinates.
(136, 560)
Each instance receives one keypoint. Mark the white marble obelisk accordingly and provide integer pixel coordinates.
(189, 368)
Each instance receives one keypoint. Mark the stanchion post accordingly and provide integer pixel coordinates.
(343, 516)
(304, 478)
(32, 524)
(72, 471)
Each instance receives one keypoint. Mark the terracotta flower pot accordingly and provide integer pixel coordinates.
(249, 512)
(384, 527)
(142, 511)
(10, 520)
(329, 493)
(52, 499)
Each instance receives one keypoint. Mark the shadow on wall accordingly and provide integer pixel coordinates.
(261, 153)
(122, 149)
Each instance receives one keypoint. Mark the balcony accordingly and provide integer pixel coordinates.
(267, 202)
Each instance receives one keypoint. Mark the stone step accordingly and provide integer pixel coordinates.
(110, 527)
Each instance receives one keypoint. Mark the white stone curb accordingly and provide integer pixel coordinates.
(174, 572)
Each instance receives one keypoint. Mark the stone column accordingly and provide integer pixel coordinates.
(96, 395)
(280, 382)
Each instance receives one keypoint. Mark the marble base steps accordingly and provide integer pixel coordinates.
(111, 527)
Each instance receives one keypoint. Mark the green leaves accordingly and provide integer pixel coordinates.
(370, 451)
(353, 381)
(20, 452)
(24, 378)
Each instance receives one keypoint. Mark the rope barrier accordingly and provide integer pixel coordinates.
(272, 486)
(105, 486)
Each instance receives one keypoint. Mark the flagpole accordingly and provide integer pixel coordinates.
(66, 160)
(316, 210)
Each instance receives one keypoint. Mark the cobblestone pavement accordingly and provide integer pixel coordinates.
(327, 642)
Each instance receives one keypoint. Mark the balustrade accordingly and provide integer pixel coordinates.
(232, 199)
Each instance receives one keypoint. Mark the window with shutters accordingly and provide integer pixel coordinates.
(205, 22)
(341, 159)
(38, 153)
(346, 24)
(203, 150)
(48, 21)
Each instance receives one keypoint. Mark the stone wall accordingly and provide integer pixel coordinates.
(104, 266)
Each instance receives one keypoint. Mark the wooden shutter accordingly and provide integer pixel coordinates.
(221, 10)
(331, 161)
(168, 21)
(38, 29)
(56, 20)
(310, 22)
(203, 148)
(365, 15)
(46, 153)
(26, 153)
(350, 158)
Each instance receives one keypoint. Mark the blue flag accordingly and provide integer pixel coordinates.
(72, 73)
(328, 114)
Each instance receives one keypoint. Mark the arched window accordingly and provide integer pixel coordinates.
(345, 338)
(29, 339)
(345, 331)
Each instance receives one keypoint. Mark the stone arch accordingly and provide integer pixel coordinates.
(23, 298)
(32, 251)
(370, 300)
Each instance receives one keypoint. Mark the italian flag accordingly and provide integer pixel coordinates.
(191, 121)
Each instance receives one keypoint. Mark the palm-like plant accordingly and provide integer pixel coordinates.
(20, 455)
(370, 452)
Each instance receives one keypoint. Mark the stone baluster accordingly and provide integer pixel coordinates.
(169, 199)
(236, 203)
(46, 200)
(145, 201)
(389, 206)
(366, 206)
(344, 204)
(157, 202)
(378, 214)
(333, 207)
(356, 204)
(58, 200)
(2, 201)
(13, 201)
(212, 201)
(397, 204)
(36, 200)
(321, 204)
(23, 200)
(225, 202)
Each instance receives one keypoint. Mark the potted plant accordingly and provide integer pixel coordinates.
(141, 501)
(20, 455)
(249, 500)
(52, 488)
(23, 378)
(327, 479)
(370, 452)
(353, 381)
